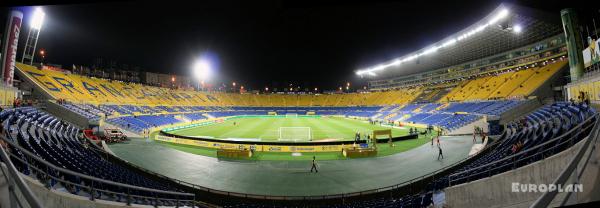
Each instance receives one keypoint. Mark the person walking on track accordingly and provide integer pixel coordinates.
(314, 165)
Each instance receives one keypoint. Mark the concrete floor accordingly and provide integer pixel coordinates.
(293, 178)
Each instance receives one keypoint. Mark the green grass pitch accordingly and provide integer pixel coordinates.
(266, 129)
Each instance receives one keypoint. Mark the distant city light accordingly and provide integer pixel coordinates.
(233, 84)
(266, 89)
(38, 18)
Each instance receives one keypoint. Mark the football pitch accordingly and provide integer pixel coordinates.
(267, 129)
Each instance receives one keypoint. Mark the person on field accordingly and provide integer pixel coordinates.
(314, 165)
(440, 153)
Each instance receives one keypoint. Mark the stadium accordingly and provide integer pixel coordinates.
(500, 113)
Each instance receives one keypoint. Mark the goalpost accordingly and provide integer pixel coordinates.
(291, 115)
(295, 134)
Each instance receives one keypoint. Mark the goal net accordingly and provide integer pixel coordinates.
(291, 115)
(295, 134)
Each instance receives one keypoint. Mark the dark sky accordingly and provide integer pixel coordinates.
(258, 43)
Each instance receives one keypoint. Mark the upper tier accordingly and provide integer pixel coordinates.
(82, 89)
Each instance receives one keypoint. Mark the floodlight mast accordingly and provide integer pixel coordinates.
(35, 26)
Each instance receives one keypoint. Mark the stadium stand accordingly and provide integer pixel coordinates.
(36, 136)
(504, 85)
(544, 129)
(92, 97)
(482, 80)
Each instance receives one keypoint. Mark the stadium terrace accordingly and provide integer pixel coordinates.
(502, 113)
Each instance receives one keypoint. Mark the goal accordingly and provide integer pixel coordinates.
(295, 134)
(291, 115)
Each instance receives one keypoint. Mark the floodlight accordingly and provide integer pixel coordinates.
(202, 69)
(449, 42)
(38, 19)
(503, 13)
(517, 28)
(494, 19)
(430, 50)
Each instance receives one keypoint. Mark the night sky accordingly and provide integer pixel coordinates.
(258, 43)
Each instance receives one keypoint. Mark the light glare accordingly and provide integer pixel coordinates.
(202, 69)
(500, 15)
(517, 28)
(38, 19)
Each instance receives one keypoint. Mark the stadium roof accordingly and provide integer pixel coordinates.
(507, 27)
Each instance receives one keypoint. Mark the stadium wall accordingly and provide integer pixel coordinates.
(496, 191)
(7, 95)
(546, 90)
(336, 146)
(468, 129)
(525, 108)
(55, 198)
(68, 115)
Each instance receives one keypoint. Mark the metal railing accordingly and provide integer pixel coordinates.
(545, 199)
(50, 174)
(532, 154)
(13, 178)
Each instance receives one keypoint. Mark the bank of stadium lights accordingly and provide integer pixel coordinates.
(202, 69)
(38, 18)
(35, 26)
(432, 49)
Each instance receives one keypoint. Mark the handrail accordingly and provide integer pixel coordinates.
(534, 148)
(27, 193)
(547, 197)
(31, 155)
